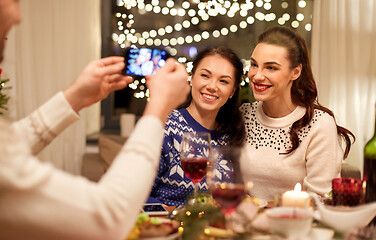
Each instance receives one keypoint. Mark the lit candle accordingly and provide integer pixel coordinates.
(296, 198)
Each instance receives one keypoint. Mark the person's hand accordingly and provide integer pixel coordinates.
(98, 79)
(168, 89)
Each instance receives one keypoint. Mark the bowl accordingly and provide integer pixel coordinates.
(290, 222)
(343, 218)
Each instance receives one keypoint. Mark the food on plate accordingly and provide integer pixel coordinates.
(134, 233)
(158, 227)
(147, 227)
(255, 200)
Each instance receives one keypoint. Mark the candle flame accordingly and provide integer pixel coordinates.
(298, 187)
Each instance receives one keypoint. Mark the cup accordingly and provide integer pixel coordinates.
(346, 191)
(290, 222)
(127, 122)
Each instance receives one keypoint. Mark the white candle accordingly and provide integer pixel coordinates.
(296, 198)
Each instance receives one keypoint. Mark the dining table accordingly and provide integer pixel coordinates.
(319, 231)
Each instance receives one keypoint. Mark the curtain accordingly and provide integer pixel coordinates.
(344, 65)
(47, 51)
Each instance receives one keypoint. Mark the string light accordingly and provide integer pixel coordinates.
(267, 6)
(194, 14)
(300, 17)
(211, 5)
(308, 27)
(295, 24)
(302, 4)
(243, 24)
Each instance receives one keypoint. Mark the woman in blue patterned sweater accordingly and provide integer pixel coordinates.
(213, 106)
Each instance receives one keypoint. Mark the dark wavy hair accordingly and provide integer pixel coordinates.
(229, 117)
(303, 90)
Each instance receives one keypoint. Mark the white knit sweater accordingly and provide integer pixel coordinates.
(314, 163)
(38, 201)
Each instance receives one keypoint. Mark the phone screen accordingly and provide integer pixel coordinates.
(154, 208)
(144, 61)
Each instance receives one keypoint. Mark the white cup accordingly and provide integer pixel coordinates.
(290, 222)
(127, 122)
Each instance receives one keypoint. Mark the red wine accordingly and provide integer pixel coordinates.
(370, 178)
(228, 196)
(195, 168)
(369, 174)
(346, 191)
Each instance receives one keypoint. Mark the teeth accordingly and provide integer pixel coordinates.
(260, 87)
(209, 96)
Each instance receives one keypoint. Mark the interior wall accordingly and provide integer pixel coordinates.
(45, 54)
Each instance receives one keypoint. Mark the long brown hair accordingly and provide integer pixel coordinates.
(229, 117)
(303, 90)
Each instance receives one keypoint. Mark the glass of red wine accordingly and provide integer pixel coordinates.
(194, 157)
(225, 180)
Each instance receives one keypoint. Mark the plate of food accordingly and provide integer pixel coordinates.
(261, 203)
(172, 236)
(154, 228)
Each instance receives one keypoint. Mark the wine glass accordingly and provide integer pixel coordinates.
(225, 180)
(194, 155)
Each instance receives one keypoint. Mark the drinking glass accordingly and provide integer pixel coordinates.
(194, 155)
(346, 191)
(225, 180)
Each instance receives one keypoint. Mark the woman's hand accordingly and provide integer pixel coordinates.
(168, 89)
(98, 79)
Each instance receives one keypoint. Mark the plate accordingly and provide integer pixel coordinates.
(261, 203)
(172, 236)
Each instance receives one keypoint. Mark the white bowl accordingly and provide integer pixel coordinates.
(344, 219)
(290, 222)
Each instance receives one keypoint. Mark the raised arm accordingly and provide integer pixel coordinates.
(40, 202)
(96, 81)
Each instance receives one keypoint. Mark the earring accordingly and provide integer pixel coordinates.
(189, 80)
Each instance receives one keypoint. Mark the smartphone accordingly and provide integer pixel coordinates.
(155, 209)
(144, 61)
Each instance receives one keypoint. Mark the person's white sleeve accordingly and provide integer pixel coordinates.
(40, 202)
(324, 157)
(44, 124)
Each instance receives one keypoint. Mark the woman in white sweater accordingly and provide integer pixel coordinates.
(40, 202)
(291, 138)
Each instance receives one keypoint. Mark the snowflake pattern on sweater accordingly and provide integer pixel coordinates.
(171, 186)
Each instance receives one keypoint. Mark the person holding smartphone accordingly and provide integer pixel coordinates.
(38, 201)
(213, 107)
(291, 138)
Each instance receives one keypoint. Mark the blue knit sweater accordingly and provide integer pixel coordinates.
(171, 186)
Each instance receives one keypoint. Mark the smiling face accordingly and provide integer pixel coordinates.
(10, 15)
(213, 83)
(271, 75)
